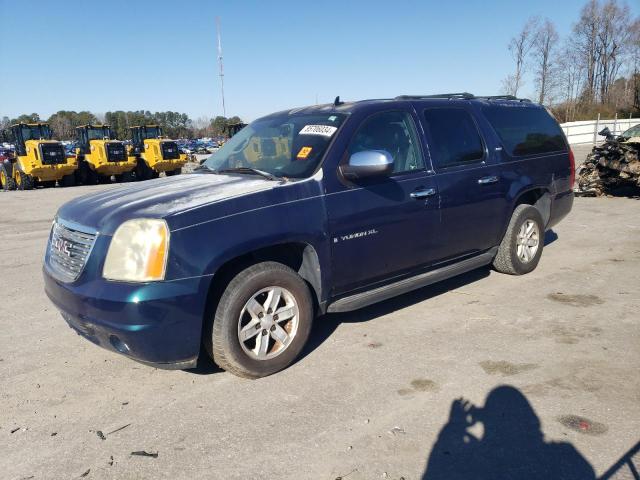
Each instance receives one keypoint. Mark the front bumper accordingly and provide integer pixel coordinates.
(159, 324)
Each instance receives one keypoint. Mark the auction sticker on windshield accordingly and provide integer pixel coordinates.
(324, 130)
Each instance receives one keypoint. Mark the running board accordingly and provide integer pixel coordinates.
(385, 292)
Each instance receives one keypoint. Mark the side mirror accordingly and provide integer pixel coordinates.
(368, 163)
(605, 132)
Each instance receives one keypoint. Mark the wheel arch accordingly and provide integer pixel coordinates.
(300, 256)
(539, 198)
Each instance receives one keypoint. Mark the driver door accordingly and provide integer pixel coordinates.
(383, 226)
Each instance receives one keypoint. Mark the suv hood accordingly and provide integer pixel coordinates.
(159, 198)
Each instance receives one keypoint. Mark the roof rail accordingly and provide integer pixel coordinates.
(463, 95)
(504, 97)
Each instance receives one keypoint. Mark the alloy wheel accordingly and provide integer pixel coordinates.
(268, 323)
(527, 241)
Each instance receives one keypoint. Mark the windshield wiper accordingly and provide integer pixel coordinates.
(249, 170)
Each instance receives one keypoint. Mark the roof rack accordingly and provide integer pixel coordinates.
(462, 96)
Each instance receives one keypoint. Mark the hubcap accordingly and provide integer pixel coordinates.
(3, 178)
(268, 323)
(528, 241)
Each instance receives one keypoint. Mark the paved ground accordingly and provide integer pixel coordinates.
(372, 392)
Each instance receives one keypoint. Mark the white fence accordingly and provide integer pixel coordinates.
(586, 131)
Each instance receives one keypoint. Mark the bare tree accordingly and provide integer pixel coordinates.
(543, 51)
(570, 78)
(519, 46)
(612, 44)
(586, 36)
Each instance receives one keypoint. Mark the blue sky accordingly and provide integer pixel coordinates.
(161, 55)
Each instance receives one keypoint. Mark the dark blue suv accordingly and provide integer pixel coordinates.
(320, 209)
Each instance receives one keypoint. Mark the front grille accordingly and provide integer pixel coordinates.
(68, 251)
(170, 151)
(116, 152)
(52, 154)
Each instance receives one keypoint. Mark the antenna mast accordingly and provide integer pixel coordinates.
(224, 110)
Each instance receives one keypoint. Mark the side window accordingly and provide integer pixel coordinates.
(525, 130)
(453, 135)
(393, 132)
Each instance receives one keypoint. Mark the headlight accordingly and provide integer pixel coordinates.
(138, 251)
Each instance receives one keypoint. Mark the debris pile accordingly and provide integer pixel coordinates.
(614, 164)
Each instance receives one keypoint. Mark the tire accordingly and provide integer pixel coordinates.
(6, 180)
(143, 172)
(68, 180)
(125, 177)
(85, 175)
(171, 173)
(223, 343)
(47, 184)
(510, 258)
(25, 181)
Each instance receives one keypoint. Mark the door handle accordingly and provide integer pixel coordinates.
(488, 180)
(423, 193)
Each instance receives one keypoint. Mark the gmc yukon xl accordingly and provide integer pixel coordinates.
(327, 208)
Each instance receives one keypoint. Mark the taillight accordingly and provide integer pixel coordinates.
(572, 165)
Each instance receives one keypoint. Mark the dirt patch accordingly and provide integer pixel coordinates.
(582, 425)
(506, 368)
(419, 385)
(570, 334)
(424, 385)
(575, 300)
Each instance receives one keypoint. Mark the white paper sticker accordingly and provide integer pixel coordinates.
(324, 130)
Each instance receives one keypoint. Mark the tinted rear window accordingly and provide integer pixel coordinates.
(454, 137)
(525, 130)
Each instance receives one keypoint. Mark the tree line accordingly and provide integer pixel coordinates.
(595, 69)
(174, 124)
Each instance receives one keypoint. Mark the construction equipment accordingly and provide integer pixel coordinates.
(614, 164)
(153, 153)
(100, 155)
(38, 160)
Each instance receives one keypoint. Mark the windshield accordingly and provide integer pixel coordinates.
(98, 133)
(283, 145)
(151, 132)
(632, 132)
(35, 132)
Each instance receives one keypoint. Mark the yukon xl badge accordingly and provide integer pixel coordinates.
(351, 236)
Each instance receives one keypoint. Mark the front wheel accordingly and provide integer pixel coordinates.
(68, 180)
(262, 321)
(522, 245)
(171, 173)
(24, 181)
(6, 180)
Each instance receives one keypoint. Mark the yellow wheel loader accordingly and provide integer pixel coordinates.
(154, 153)
(38, 160)
(100, 156)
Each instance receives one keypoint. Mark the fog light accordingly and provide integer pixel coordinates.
(118, 344)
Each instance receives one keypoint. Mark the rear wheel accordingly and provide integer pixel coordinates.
(522, 245)
(262, 321)
(24, 181)
(6, 181)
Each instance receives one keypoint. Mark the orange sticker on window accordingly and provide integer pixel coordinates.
(303, 153)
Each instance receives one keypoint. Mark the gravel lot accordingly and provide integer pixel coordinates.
(373, 390)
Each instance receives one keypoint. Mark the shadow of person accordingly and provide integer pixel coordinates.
(511, 445)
